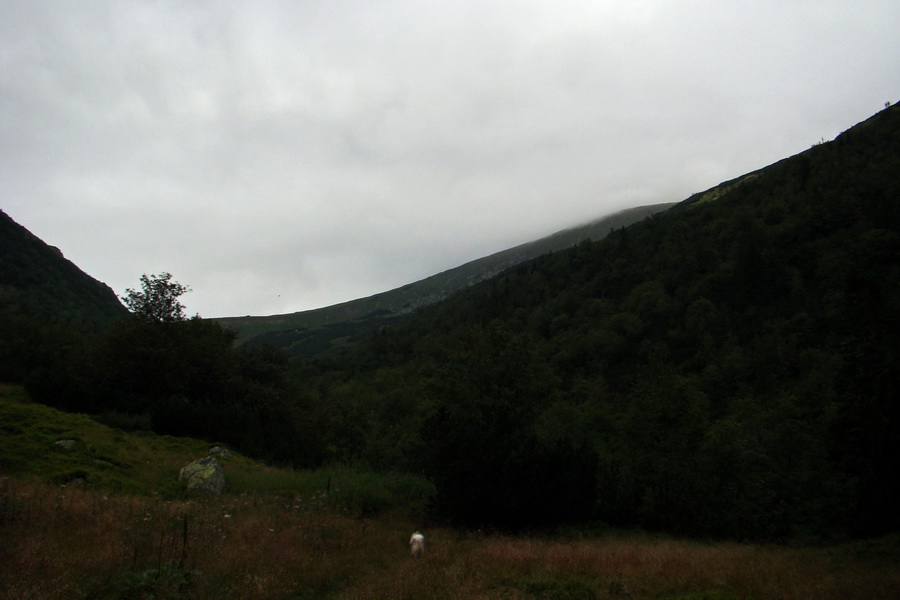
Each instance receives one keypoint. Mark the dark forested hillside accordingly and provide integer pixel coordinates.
(728, 367)
(43, 296)
(725, 368)
(36, 280)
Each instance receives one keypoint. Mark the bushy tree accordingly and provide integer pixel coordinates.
(183, 376)
(157, 300)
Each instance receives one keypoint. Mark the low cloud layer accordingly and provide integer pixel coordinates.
(279, 156)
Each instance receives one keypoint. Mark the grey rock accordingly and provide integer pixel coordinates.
(204, 475)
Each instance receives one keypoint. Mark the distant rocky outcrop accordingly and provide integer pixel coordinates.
(204, 475)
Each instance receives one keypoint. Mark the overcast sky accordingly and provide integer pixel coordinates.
(279, 156)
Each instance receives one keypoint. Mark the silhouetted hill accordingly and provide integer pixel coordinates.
(40, 290)
(314, 331)
(37, 281)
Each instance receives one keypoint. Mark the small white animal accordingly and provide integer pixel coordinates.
(417, 544)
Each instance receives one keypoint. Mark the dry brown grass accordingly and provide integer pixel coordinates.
(654, 568)
(65, 543)
(62, 543)
(495, 567)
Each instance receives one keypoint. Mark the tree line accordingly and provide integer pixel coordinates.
(159, 370)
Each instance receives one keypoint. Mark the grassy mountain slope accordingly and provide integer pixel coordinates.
(107, 459)
(313, 331)
(104, 458)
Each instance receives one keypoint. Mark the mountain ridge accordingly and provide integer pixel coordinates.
(369, 312)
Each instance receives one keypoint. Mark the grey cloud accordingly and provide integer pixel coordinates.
(278, 155)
